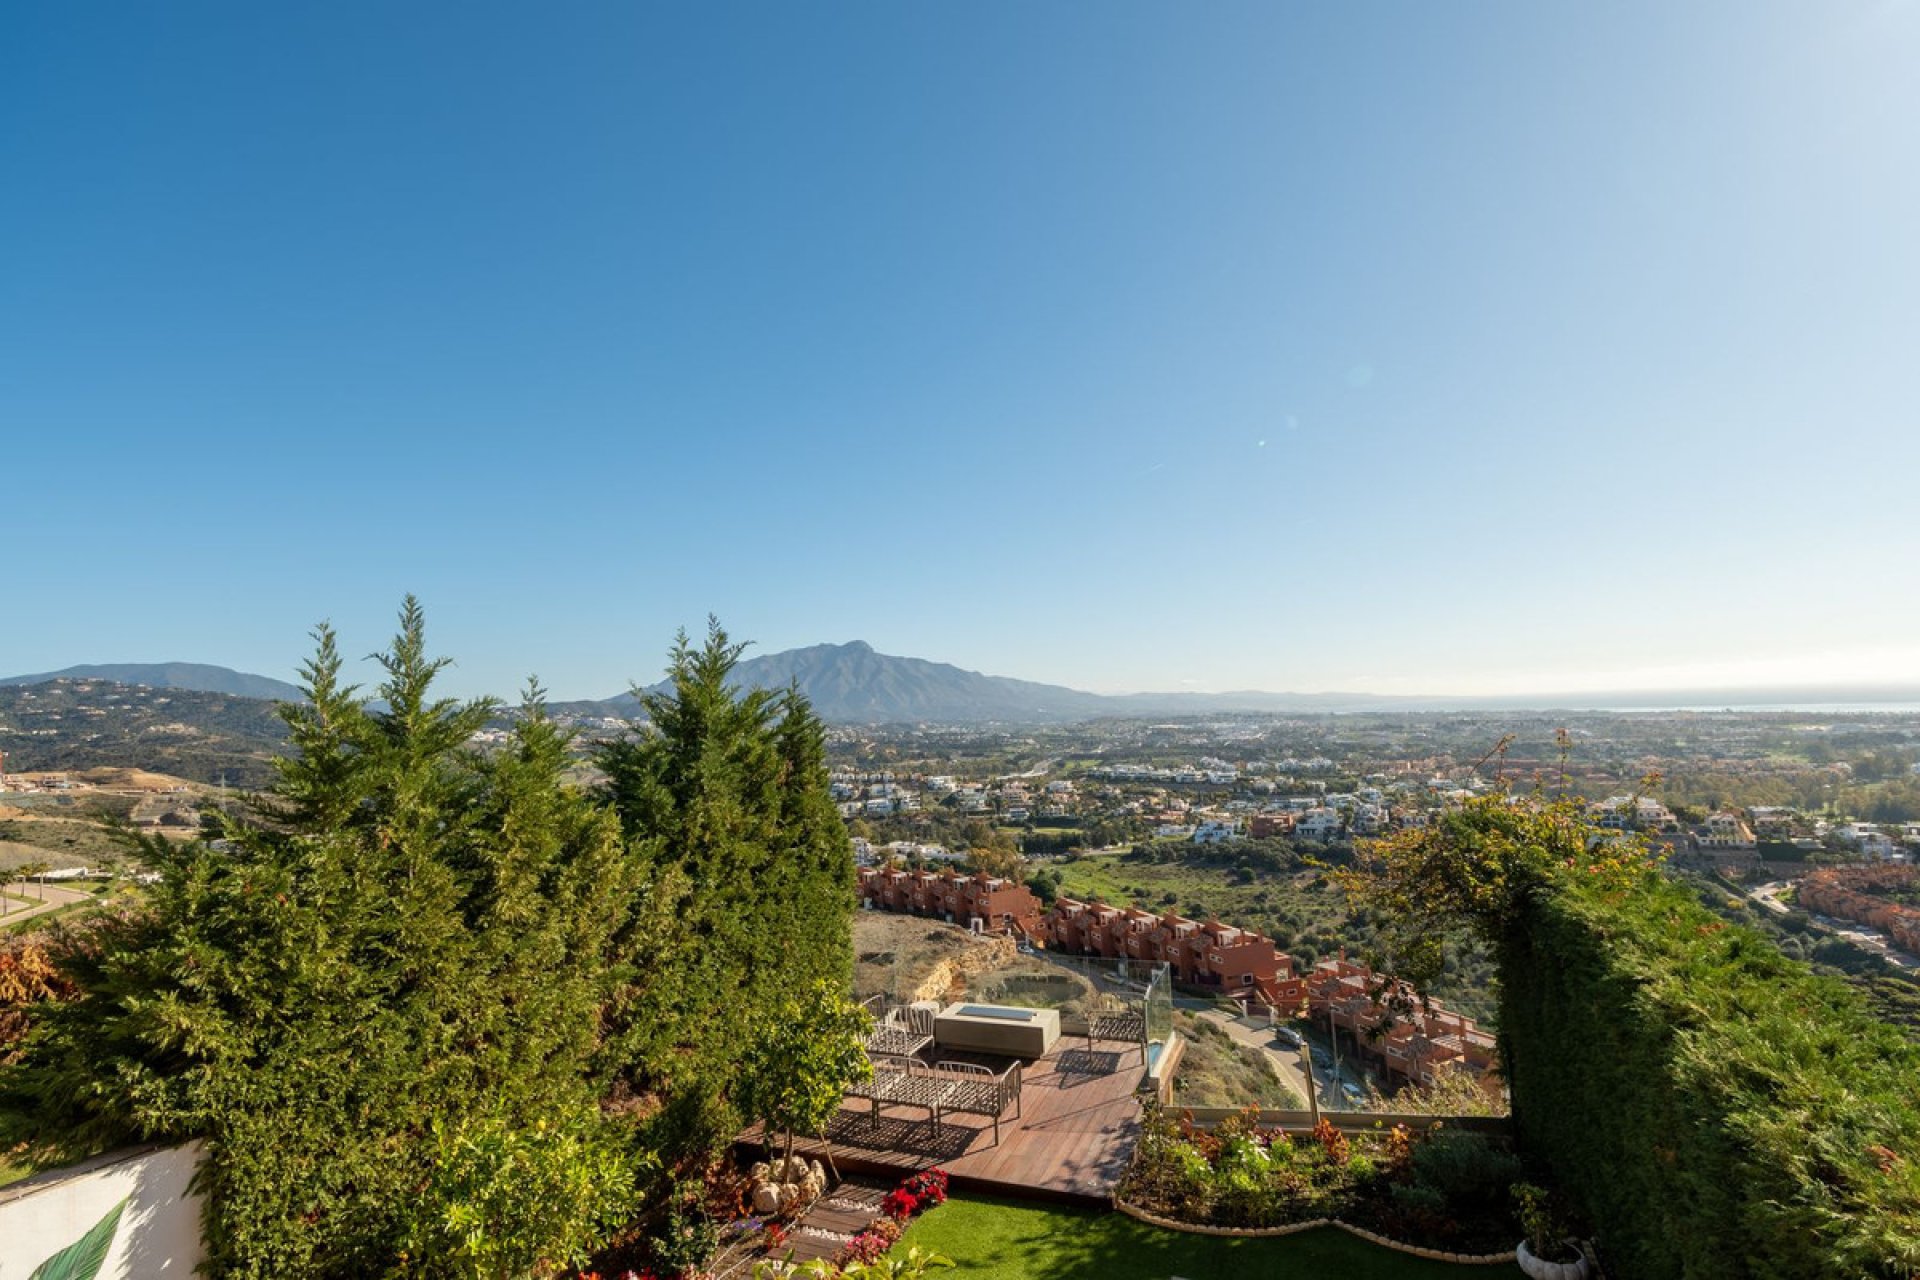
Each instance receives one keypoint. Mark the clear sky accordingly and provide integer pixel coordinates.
(1395, 347)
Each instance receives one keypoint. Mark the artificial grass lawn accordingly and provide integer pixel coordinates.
(1015, 1240)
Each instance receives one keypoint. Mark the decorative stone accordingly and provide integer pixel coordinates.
(786, 1186)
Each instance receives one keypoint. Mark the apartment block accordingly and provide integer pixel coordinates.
(998, 903)
(1202, 954)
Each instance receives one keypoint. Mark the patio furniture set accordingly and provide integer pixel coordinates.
(943, 1088)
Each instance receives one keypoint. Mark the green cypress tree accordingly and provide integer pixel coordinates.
(726, 803)
(816, 853)
(410, 947)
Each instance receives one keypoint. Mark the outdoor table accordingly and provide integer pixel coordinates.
(1008, 1031)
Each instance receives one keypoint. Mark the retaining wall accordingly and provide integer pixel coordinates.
(159, 1232)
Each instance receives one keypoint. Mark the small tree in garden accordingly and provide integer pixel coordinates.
(504, 1199)
(802, 1056)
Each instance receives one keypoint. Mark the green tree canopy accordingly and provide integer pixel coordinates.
(408, 936)
(725, 801)
(808, 1047)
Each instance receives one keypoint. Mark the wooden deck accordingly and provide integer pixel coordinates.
(837, 1217)
(1079, 1120)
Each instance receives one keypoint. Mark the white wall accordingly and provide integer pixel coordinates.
(159, 1233)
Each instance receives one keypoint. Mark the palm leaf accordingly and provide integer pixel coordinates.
(82, 1259)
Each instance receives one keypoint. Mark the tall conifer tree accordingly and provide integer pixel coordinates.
(727, 805)
(410, 946)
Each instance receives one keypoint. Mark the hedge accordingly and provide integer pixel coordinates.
(1715, 1108)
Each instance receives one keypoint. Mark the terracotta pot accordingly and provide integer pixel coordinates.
(1540, 1269)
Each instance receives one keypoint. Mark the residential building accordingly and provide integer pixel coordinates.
(1858, 894)
(1727, 831)
(1270, 826)
(1414, 1043)
(1320, 824)
(1633, 813)
(997, 903)
(1241, 962)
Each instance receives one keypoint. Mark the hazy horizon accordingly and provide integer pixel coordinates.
(1832, 696)
(1454, 352)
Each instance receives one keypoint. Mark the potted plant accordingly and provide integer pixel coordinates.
(1548, 1252)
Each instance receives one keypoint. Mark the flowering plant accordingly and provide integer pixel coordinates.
(872, 1243)
(1399, 1145)
(922, 1190)
(929, 1187)
(1331, 1140)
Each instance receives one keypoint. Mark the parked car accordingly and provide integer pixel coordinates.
(1289, 1037)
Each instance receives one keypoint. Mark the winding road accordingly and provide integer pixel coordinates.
(57, 896)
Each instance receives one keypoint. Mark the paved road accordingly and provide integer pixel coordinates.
(57, 897)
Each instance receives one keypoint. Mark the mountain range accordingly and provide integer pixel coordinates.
(853, 684)
(195, 676)
(847, 683)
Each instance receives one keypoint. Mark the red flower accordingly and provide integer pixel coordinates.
(928, 1187)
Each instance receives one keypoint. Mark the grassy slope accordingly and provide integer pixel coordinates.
(1217, 1071)
(1114, 877)
(1014, 1241)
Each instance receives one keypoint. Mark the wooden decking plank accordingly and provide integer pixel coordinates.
(1079, 1122)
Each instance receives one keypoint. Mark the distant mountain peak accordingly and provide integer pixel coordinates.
(852, 683)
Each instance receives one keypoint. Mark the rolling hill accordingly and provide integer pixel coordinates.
(195, 676)
(69, 724)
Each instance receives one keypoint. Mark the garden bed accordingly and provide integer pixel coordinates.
(1447, 1191)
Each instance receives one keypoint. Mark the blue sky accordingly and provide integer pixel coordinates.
(1439, 348)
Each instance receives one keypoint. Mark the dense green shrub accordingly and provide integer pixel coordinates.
(393, 1000)
(1716, 1109)
(1464, 1167)
(503, 1197)
(687, 1238)
(1457, 1180)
